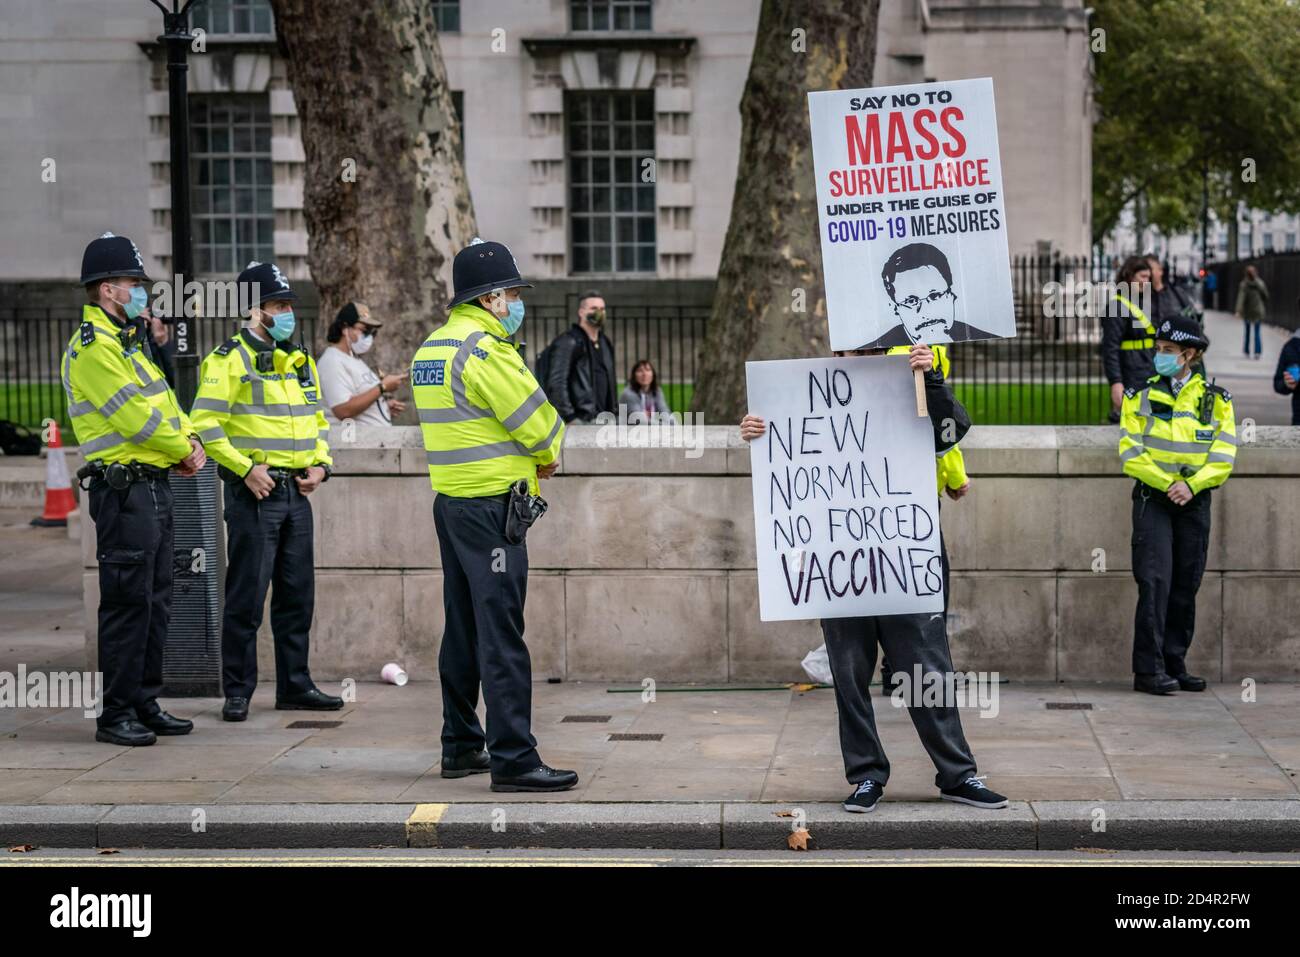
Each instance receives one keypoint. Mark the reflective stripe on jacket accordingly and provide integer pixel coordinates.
(120, 405)
(1164, 439)
(486, 422)
(247, 416)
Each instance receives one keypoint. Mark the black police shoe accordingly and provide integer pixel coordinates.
(1159, 683)
(472, 762)
(127, 733)
(540, 778)
(864, 798)
(1190, 682)
(313, 700)
(235, 709)
(161, 723)
(973, 791)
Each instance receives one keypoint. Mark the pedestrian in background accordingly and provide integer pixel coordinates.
(643, 398)
(349, 388)
(579, 372)
(1252, 298)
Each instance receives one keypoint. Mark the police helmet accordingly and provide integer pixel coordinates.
(109, 257)
(271, 283)
(481, 267)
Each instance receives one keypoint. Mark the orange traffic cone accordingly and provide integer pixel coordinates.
(58, 488)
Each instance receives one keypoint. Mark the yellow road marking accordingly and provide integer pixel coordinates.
(422, 825)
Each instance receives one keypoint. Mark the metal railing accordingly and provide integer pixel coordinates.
(1050, 373)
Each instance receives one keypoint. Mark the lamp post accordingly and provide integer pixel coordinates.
(177, 38)
(192, 654)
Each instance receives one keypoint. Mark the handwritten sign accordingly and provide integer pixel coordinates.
(912, 218)
(846, 514)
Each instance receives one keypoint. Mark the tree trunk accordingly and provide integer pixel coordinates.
(385, 201)
(770, 301)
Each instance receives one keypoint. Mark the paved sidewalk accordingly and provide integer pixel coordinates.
(1249, 380)
(779, 745)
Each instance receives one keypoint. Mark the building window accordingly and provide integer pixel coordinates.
(609, 14)
(446, 14)
(240, 18)
(611, 203)
(233, 213)
(1290, 241)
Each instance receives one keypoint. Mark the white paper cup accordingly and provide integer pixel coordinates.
(394, 674)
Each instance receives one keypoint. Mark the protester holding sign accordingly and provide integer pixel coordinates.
(916, 643)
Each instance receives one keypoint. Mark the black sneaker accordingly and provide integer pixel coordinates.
(972, 791)
(864, 798)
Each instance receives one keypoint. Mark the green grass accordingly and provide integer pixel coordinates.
(1034, 403)
(30, 403)
(1004, 403)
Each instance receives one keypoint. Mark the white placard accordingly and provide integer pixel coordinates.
(846, 514)
(912, 217)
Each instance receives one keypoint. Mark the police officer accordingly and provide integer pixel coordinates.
(1127, 333)
(487, 429)
(131, 431)
(1178, 439)
(258, 412)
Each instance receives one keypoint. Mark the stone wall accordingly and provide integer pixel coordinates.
(644, 565)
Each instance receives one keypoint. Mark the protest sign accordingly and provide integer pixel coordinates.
(846, 513)
(911, 213)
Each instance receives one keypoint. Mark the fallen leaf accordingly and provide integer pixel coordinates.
(22, 848)
(798, 840)
(109, 850)
(784, 813)
(802, 687)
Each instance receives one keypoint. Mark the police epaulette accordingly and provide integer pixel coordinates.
(1129, 393)
(226, 347)
(87, 332)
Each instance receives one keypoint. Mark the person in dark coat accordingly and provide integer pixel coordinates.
(581, 383)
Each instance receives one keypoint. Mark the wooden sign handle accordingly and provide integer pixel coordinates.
(922, 410)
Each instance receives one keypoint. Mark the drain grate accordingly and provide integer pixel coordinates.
(585, 718)
(319, 725)
(632, 736)
(1068, 706)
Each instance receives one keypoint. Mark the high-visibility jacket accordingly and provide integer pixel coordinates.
(1192, 437)
(1139, 342)
(486, 422)
(120, 405)
(950, 466)
(259, 403)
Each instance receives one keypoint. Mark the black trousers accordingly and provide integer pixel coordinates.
(268, 545)
(1169, 547)
(907, 641)
(133, 546)
(485, 582)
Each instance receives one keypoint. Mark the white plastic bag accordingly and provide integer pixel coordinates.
(818, 666)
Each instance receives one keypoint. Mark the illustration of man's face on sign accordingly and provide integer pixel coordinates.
(918, 285)
(918, 281)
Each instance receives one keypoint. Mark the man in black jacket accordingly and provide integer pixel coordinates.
(581, 383)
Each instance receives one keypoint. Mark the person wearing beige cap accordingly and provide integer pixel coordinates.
(350, 389)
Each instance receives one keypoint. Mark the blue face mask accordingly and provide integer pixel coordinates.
(1167, 364)
(283, 326)
(138, 302)
(514, 318)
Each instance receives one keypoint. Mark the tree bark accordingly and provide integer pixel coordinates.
(371, 93)
(772, 249)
